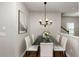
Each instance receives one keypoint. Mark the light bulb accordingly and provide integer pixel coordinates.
(46, 19)
(40, 21)
(50, 21)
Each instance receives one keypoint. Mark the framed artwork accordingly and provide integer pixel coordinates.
(22, 22)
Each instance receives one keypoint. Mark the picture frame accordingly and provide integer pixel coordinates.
(22, 22)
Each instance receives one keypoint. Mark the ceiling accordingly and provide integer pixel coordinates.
(63, 7)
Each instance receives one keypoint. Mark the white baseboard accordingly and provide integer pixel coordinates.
(23, 53)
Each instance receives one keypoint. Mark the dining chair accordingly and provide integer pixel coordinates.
(62, 44)
(64, 41)
(29, 46)
(33, 38)
(46, 49)
(61, 47)
(58, 38)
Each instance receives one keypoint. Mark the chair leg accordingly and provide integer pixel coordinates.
(27, 53)
(38, 52)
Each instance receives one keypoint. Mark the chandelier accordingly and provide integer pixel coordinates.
(46, 21)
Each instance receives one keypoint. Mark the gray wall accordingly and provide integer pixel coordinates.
(75, 20)
(35, 27)
(20, 42)
(8, 30)
(11, 43)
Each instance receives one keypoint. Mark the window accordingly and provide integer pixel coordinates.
(70, 27)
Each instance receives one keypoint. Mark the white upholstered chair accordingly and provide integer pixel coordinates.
(46, 49)
(58, 38)
(62, 46)
(29, 46)
(33, 38)
(58, 48)
(64, 41)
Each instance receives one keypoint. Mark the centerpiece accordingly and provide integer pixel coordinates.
(46, 36)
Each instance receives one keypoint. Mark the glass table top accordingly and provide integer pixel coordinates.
(46, 40)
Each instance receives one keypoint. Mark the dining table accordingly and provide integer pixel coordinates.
(41, 39)
(48, 39)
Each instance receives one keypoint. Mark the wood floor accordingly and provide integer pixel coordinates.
(35, 54)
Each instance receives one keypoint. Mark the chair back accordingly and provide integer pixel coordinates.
(63, 41)
(28, 42)
(46, 49)
(33, 39)
(58, 38)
